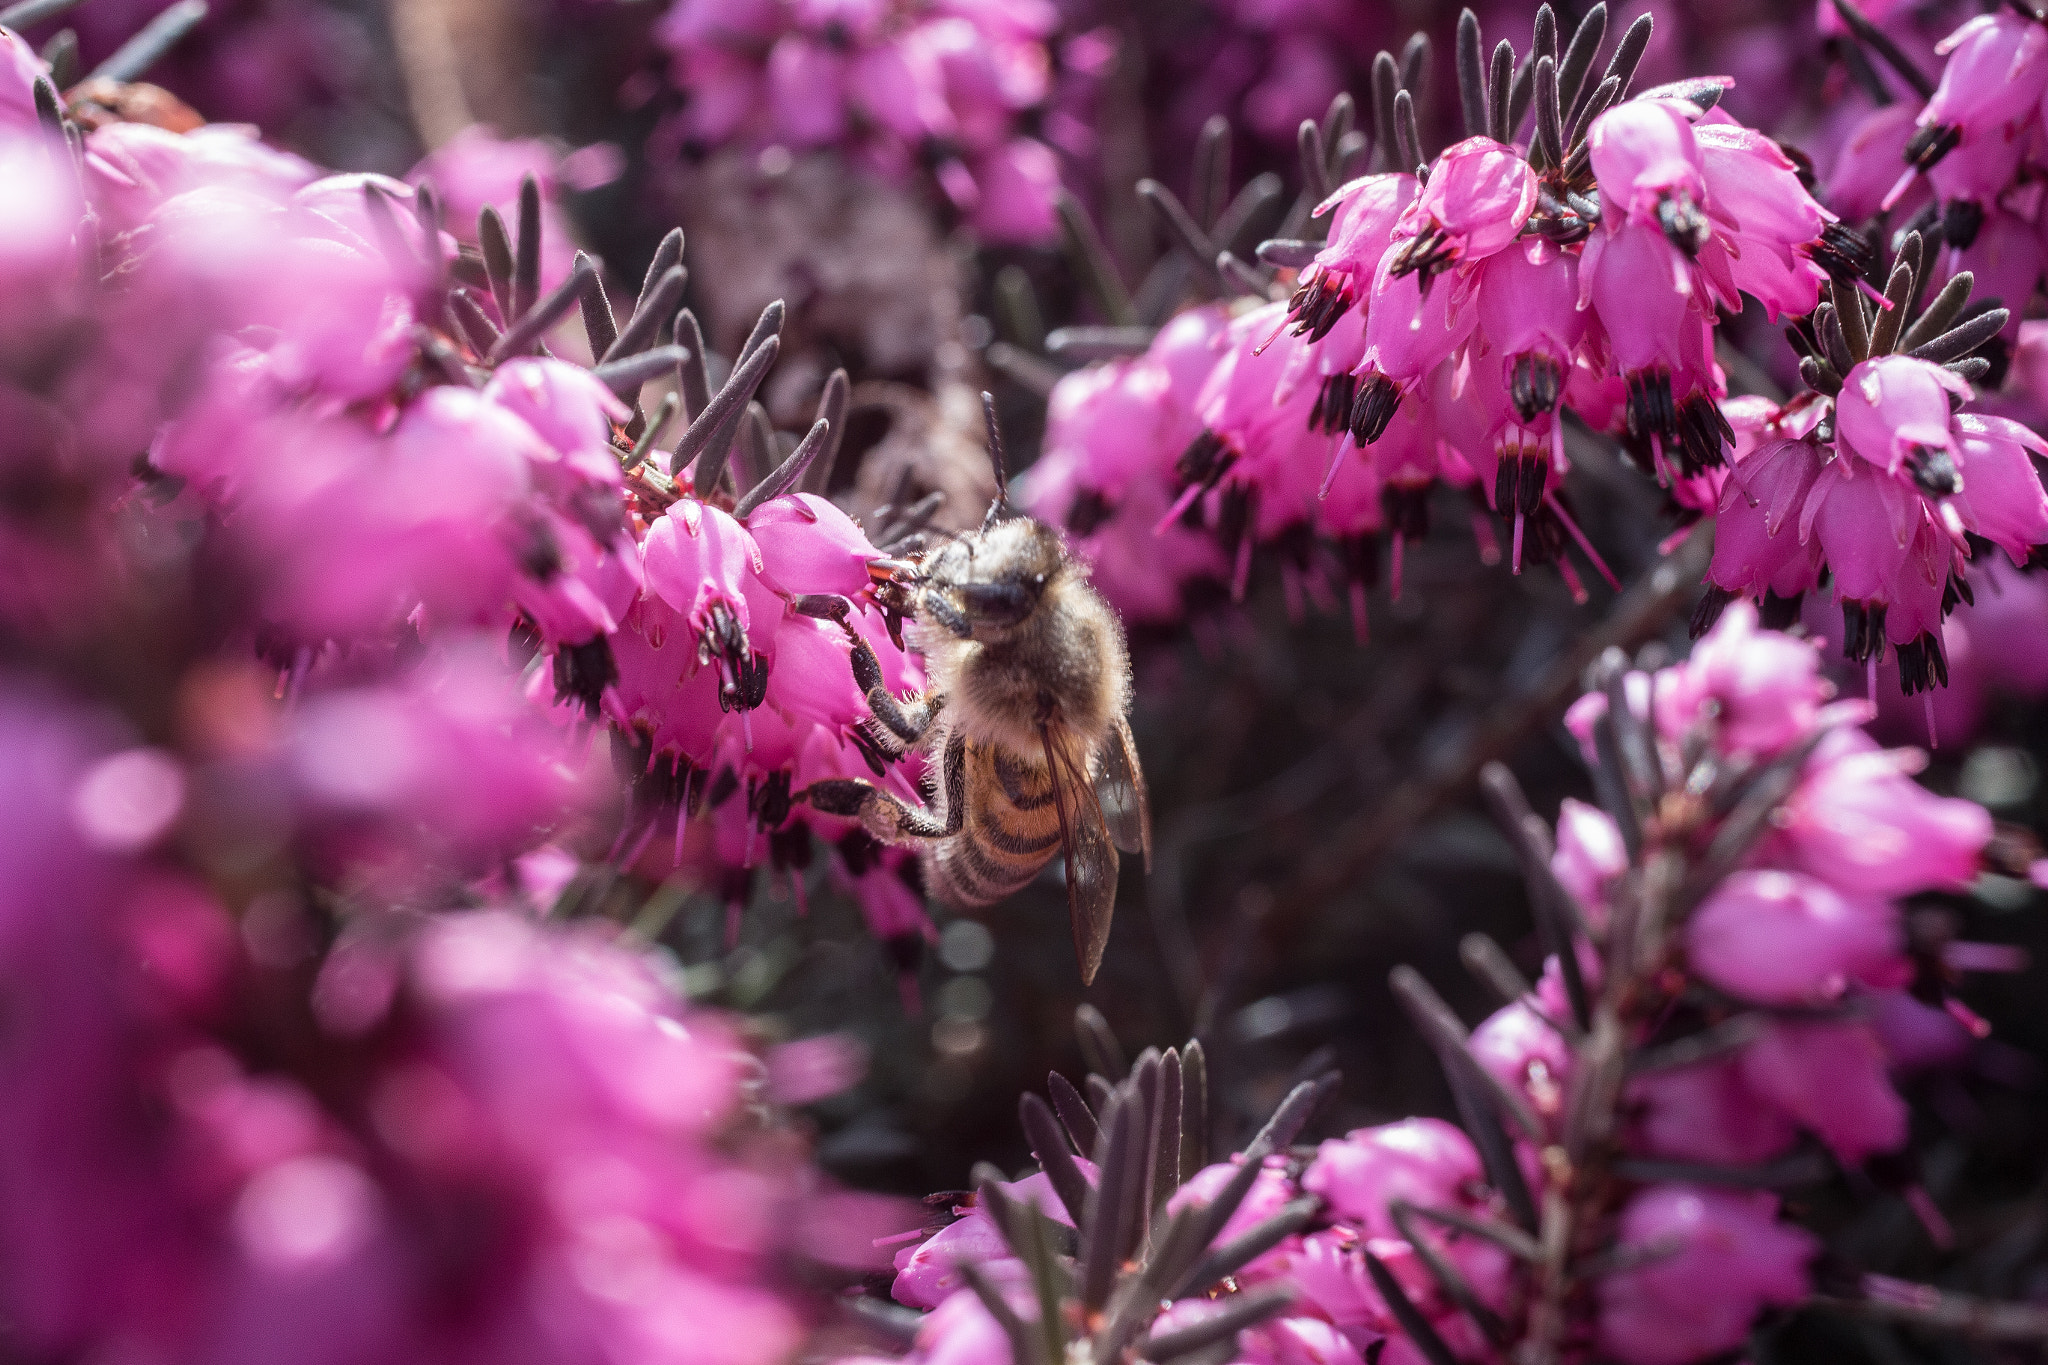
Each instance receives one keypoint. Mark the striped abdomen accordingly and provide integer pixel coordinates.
(1012, 830)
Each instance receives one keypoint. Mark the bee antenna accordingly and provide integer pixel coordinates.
(995, 457)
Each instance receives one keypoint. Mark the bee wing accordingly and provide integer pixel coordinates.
(1120, 786)
(1091, 858)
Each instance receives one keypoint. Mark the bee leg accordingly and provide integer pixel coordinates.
(936, 606)
(889, 818)
(906, 721)
(823, 606)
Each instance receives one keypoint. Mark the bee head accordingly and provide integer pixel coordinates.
(991, 581)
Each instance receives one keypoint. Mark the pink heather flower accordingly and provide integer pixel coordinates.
(130, 168)
(1732, 1259)
(1272, 1189)
(2002, 497)
(20, 67)
(1759, 544)
(477, 169)
(1830, 1078)
(1368, 211)
(1868, 164)
(1647, 162)
(1766, 688)
(1780, 938)
(961, 1331)
(929, 1273)
(1529, 317)
(1016, 186)
(452, 767)
(1526, 1052)
(1425, 1161)
(1641, 287)
(1858, 822)
(1298, 1341)
(1894, 408)
(1479, 195)
(1758, 202)
(1996, 73)
(705, 567)
(1590, 855)
(1706, 1113)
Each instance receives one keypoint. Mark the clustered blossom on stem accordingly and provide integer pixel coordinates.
(462, 1136)
(387, 461)
(1569, 255)
(1734, 936)
(297, 1067)
(1880, 477)
(946, 87)
(1958, 159)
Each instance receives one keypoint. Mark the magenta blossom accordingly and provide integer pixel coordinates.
(1713, 1259)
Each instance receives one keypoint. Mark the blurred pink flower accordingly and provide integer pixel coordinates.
(1714, 1259)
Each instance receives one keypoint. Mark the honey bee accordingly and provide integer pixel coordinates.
(1028, 689)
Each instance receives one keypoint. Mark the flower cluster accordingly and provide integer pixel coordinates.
(1879, 477)
(1960, 159)
(1734, 936)
(387, 461)
(942, 86)
(1569, 255)
(466, 1136)
(299, 1066)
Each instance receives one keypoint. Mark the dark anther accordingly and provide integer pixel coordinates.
(1930, 144)
(1712, 603)
(1649, 404)
(860, 851)
(1780, 613)
(1089, 510)
(1407, 509)
(790, 846)
(631, 754)
(1361, 558)
(1519, 480)
(722, 787)
(1922, 664)
(1426, 253)
(584, 671)
(1684, 224)
(1961, 221)
(539, 554)
(1862, 631)
(1317, 306)
(660, 784)
(1956, 591)
(1332, 411)
(1205, 460)
(1378, 399)
(1234, 521)
(770, 802)
(1846, 254)
(1934, 470)
(1536, 386)
(1702, 434)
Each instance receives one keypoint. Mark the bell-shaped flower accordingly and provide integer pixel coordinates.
(1480, 193)
(1764, 688)
(1996, 73)
(130, 168)
(1829, 1077)
(1858, 821)
(1705, 1113)
(1780, 938)
(1732, 1260)
(1367, 211)
(1648, 165)
(2002, 498)
(705, 566)
(1895, 409)
(1421, 1160)
(1530, 320)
